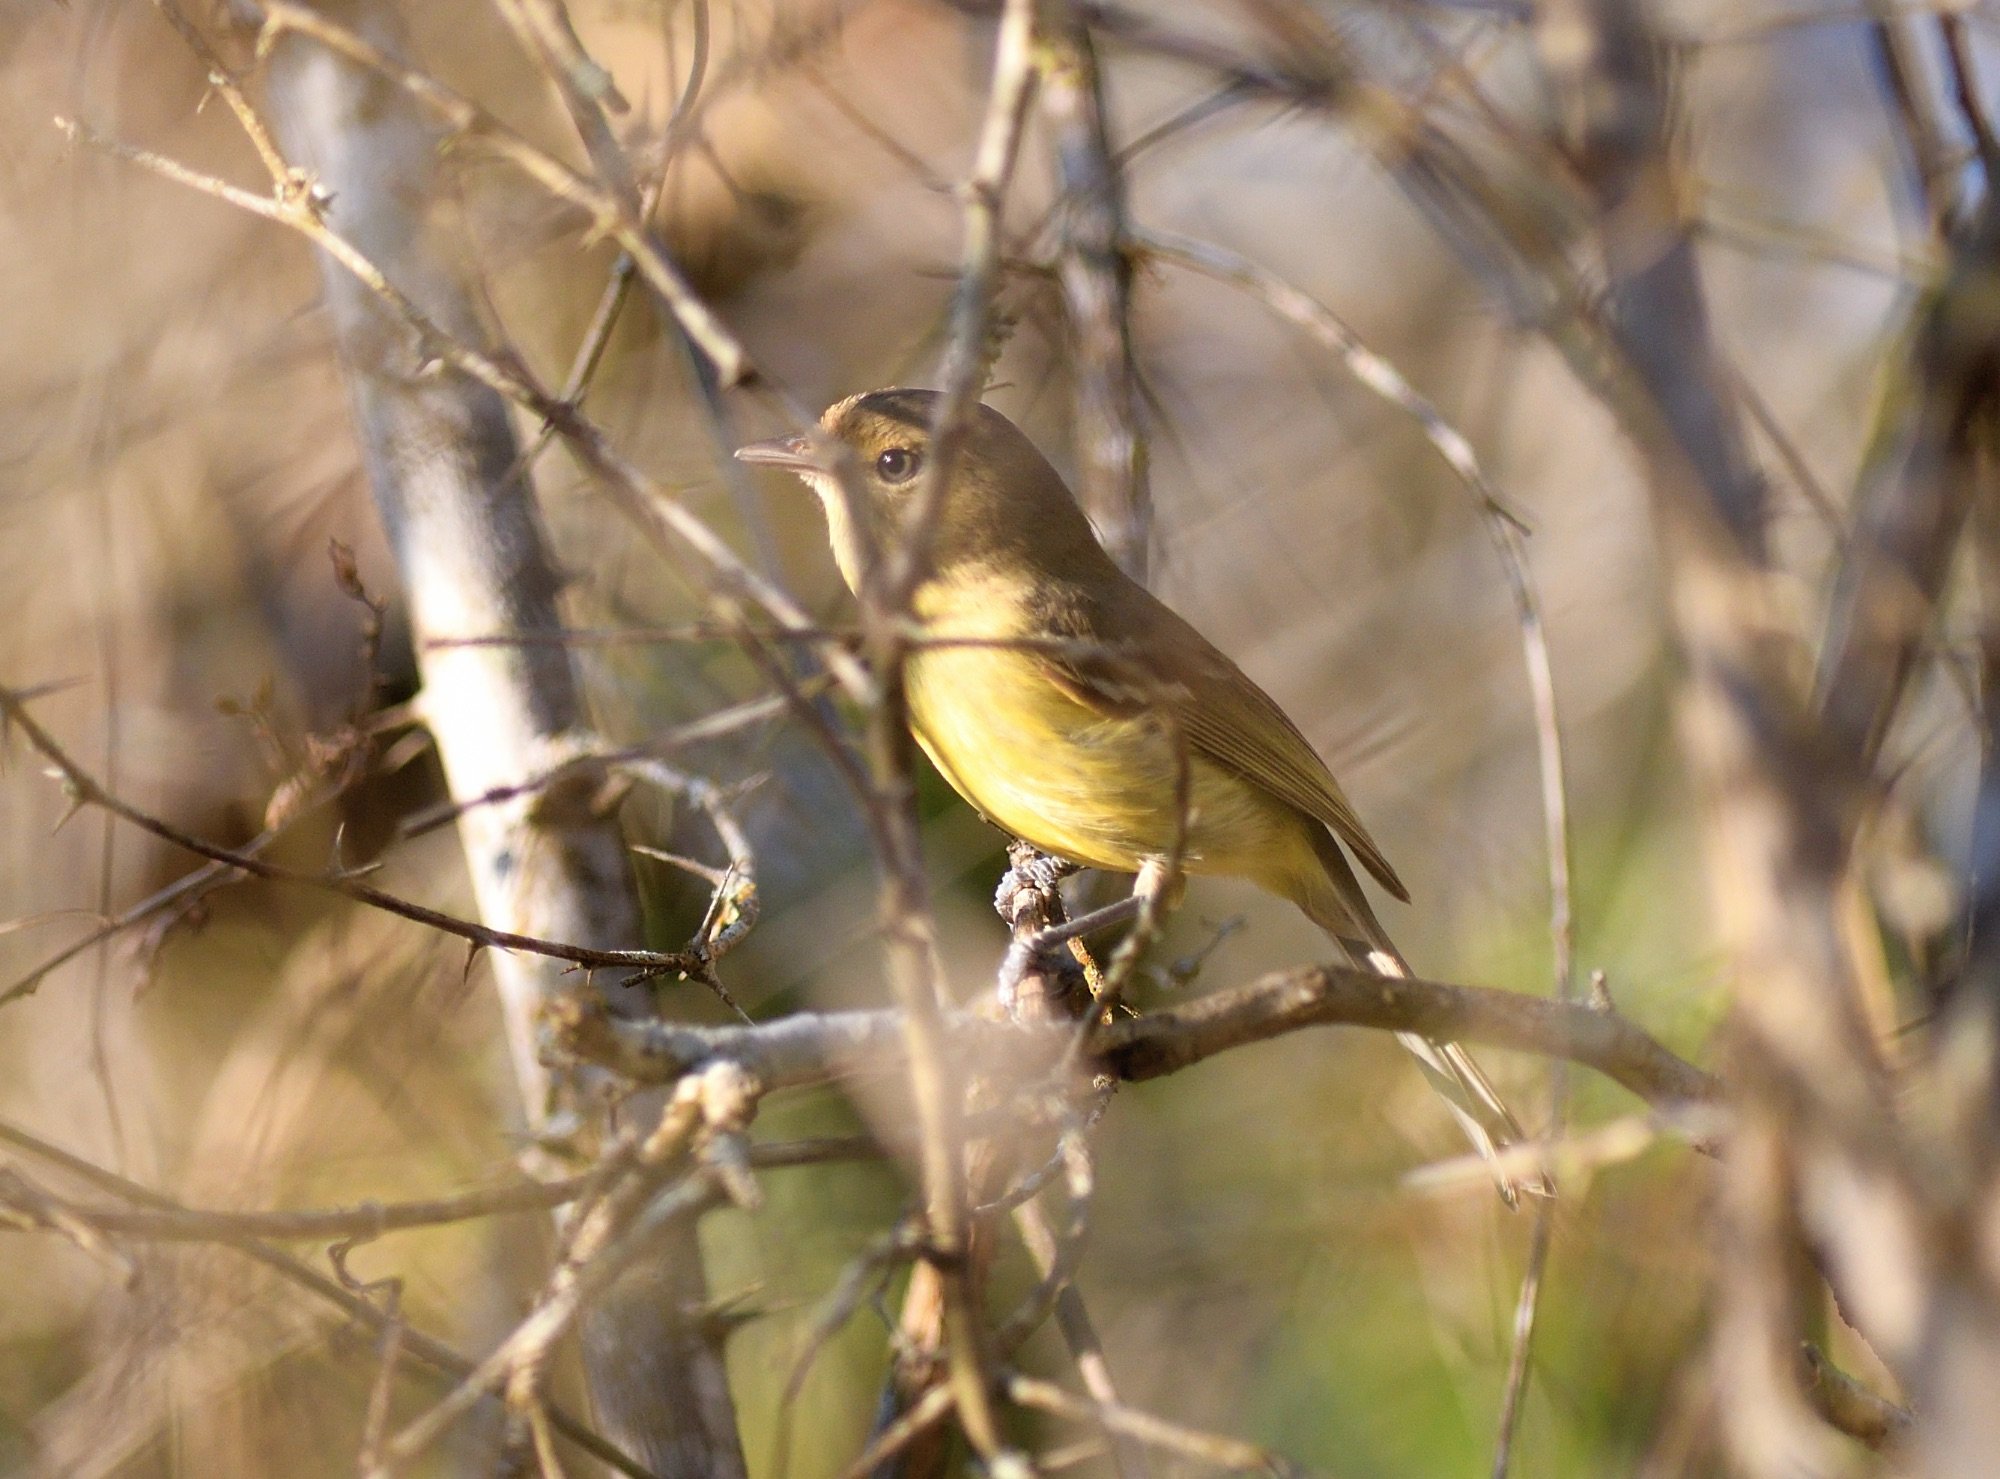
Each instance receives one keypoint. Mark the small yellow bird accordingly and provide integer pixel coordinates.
(1072, 708)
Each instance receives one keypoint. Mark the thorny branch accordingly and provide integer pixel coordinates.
(85, 791)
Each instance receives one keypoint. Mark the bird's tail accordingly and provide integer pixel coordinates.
(1465, 1089)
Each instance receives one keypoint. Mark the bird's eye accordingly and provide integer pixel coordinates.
(898, 465)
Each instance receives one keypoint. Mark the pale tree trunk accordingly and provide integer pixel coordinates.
(443, 463)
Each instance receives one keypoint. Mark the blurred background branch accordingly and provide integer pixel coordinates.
(1707, 290)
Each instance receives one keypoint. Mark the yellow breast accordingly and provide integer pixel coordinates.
(1058, 773)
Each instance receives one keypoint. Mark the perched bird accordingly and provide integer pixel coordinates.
(1074, 709)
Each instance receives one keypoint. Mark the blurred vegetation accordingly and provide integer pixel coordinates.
(177, 455)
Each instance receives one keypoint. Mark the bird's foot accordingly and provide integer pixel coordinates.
(1030, 884)
(1034, 984)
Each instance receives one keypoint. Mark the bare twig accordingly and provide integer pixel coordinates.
(1527, 1304)
(1171, 1437)
(1519, 257)
(1966, 91)
(885, 597)
(968, 348)
(536, 1336)
(545, 31)
(1505, 527)
(376, 1424)
(84, 790)
(652, 509)
(607, 211)
(1913, 503)
(1376, 373)
(369, 1220)
(1059, 988)
(375, 1219)
(860, 1280)
(1898, 52)
(1815, 1135)
(928, 1411)
(626, 1226)
(1079, 1332)
(190, 885)
(433, 1353)
(1850, 1406)
(809, 1048)
(1056, 1255)
(1096, 279)
(599, 762)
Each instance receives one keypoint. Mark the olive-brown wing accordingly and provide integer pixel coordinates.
(1133, 652)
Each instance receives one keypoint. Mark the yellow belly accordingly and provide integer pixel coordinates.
(1075, 783)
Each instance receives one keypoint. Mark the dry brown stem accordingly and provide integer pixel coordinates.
(808, 1048)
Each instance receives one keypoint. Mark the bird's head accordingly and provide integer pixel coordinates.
(1003, 503)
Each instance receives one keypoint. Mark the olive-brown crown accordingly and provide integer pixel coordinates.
(1004, 503)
